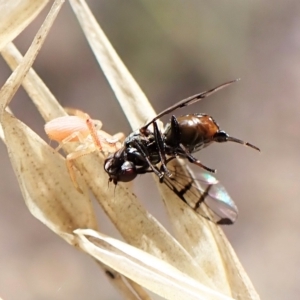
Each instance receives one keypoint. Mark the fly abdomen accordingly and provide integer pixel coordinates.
(194, 131)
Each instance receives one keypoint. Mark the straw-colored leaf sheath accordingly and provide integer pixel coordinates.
(126, 89)
(145, 269)
(15, 80)
(45, 183)
(15, 16)
(37, 90)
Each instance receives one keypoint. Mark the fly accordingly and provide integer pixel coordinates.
(146, 151)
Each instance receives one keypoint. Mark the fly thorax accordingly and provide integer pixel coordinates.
(132, 136)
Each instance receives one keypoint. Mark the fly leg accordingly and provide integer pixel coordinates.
(194, 160)
(161, 149)
(145, 155)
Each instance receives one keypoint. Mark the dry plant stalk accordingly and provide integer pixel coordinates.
(199, 264)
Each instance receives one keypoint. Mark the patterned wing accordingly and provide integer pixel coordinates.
(203, 193)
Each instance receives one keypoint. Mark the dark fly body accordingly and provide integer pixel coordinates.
(148, 150)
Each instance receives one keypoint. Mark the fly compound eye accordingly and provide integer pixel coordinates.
(128, 172)
(108, 164)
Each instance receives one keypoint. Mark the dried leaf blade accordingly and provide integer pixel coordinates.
(15, 16)
(145, 269)
(14, 81)
(130, 96)
(44, 181)
(206, 242)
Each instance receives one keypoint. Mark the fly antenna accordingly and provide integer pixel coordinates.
(235, 140)
(222, 136)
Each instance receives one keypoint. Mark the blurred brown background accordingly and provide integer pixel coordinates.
(175, 49)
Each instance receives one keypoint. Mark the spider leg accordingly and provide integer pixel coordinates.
(70, 163)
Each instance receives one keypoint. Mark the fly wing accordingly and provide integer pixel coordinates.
(188, 101)
(204, 194)
(220, 203)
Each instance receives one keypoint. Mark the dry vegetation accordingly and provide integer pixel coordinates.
(196, 264)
